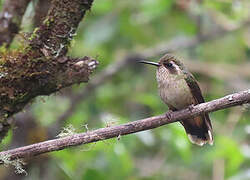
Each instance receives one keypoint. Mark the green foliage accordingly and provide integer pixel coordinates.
(113, 29)
(46, 107)
(6, 141)
(229, 150)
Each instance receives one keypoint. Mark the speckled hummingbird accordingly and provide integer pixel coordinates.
(179, 89)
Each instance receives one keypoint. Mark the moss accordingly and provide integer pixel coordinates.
(22, 97)
(48, 21)
(3, 49)
(34, 34)
(33, 70)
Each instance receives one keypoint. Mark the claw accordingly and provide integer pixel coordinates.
(168, 114)
(191, 107)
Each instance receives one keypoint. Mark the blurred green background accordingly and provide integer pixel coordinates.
(114, 30)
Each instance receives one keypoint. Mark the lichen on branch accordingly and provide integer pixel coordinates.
(59, 27)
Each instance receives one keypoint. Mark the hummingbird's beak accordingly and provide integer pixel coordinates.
(151, 63)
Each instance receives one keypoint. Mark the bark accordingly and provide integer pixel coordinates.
(41, 11)
(41, 67)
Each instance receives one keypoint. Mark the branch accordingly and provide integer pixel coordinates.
(128, 128)
(10, 19)
(41, 67)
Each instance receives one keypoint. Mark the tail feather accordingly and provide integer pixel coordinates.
(200, 141)
(199, 130)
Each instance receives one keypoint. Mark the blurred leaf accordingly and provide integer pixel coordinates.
(107, 25)
(180, 142)
(228, 149)
(48, 109)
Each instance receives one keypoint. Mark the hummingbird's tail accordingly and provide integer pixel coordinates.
(199, 130)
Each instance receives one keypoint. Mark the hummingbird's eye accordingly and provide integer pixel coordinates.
(168, 64)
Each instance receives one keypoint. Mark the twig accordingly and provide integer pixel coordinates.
(128, 128)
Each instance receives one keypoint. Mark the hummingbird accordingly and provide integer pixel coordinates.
(179, 89)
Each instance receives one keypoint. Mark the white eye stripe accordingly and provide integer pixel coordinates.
(175, 65)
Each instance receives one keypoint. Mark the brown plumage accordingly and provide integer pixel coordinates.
(179, 89)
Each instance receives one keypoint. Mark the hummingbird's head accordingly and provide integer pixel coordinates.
(169, 69)
(168, 65)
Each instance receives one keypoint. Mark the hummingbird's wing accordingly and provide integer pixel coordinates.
(199, 129)
(196, 92)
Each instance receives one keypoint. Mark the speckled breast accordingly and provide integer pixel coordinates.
(174, 91)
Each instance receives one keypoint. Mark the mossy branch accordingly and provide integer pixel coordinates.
(41, 67)
(128, 128)
(53, 36)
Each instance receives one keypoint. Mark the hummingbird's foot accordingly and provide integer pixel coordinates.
(191, 107)
(168, 114)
